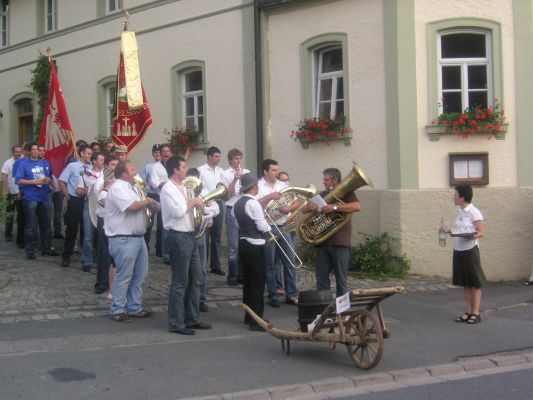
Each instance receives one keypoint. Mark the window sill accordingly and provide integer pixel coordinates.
(435, 132)
(345, 137)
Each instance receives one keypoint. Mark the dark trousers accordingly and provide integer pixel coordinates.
(159, 231)
(57, 203)
(13, 205)
(252, 262)
(213, 238)
(73, 221)
(103, 259)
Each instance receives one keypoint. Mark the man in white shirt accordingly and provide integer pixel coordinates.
(176, 207)
(152, 192)
(210, 174)
(11, 191)
(252, 243)
(232, 179)
(269, 187)
(158, 177)
(125, 225)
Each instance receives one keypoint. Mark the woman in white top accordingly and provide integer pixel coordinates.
(467, 271)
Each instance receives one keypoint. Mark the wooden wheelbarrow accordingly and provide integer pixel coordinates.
(357, 328)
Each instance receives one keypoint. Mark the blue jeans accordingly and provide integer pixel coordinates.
(37, 212)
(289, 274)
(202, 253)
(336, 258)
(131, 258)
(232, 230)
(86, 257)
(184, 295)
(165, 251)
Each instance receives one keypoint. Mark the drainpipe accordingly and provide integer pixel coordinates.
(258, 86)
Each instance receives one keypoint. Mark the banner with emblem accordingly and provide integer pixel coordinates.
(56, 133)
(132, 115)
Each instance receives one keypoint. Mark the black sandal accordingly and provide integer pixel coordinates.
(463, 318)
(474, 319)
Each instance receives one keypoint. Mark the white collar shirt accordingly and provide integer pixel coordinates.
(158, 175)
(226, 178)
(210, 177)
(254, 210)
(266, 188)
(7, 169)
(117, 220)
(89, 179)
(100, 195)
(464, 223)
(174, 199)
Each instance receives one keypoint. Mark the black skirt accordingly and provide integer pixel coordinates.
(467, 271)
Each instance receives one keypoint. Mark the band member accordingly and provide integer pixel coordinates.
(269, 187)
(211, 210)
(334, 253)
(252, 228)
(68, 182)
(232, 178)
(34, 177)
(151, 192)
(176, 207)
(13, 199)
(210, 174)
(125, 225)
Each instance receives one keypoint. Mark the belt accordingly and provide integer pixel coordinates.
(180, 232)
(119, 236)
(229, 207)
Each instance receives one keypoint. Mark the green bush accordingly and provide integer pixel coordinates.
(373, 257)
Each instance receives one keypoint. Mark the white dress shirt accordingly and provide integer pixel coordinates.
(464, 223)
(7, 169)
(174, 199)
(226, 178)
(210, 176)
(118, 221)
(254, 210)
(265, 188)
(158, 175)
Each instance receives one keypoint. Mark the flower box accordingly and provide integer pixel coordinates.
(326, 130)
(183, 140)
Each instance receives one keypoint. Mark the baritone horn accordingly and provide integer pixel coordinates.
(289, 195)
(318, 227)
(220, 193)
(139, 188)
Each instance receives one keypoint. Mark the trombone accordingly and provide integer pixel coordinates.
(298, 264)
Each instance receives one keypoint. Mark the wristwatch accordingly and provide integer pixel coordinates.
(335, 208)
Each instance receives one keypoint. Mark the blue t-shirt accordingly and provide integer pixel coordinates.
(33, 169)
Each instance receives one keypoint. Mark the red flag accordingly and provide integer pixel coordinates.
(56, 133)
(129, 125)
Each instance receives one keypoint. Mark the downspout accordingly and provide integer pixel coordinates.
(258, 86)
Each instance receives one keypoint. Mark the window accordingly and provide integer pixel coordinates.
(113, 6)
(193, 99)
(106, 103)
(25, 120)
(50, 16)
(4, 23)
(465, 73)
(329, 93)
(188, 97)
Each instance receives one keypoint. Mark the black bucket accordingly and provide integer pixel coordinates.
(310, 304)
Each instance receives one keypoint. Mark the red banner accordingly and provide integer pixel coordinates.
(129, 126)
(56, 133)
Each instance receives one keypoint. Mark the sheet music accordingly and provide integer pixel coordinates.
(319, 201)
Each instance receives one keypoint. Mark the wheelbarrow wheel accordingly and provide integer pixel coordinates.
(367, 353)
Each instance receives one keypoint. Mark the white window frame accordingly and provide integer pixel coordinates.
(320, 76)
(110, 92)
(4, 26)
(464, 63)
(195, 96)
(113, 6)
(53, 14)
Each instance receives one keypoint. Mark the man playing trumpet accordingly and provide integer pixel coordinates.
(334, 253)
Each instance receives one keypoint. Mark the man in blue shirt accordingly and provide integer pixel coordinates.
(34, 177)
(76, 197)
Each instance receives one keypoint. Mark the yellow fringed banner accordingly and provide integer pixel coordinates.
(128, 47)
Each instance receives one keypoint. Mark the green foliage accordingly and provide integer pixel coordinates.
(40, 83)
(374, 257)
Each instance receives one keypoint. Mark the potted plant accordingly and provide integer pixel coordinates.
(323, 129)
(183, 140)
(472, 121)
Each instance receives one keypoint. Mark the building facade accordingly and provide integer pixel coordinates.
(248, 71)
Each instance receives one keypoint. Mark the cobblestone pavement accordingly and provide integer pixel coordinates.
(41, 289)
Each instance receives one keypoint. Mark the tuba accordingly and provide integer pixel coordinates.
(220, 193)
(139, 188)
(318, 227)
(288, 196)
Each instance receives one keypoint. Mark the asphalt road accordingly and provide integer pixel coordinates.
(96, 358)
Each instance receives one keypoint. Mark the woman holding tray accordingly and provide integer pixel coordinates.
(467, 271)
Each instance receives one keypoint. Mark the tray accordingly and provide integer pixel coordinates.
(466, 235)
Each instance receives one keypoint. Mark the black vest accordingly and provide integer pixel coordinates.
(247, 227)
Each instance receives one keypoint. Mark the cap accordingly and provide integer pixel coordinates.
(156, 147)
